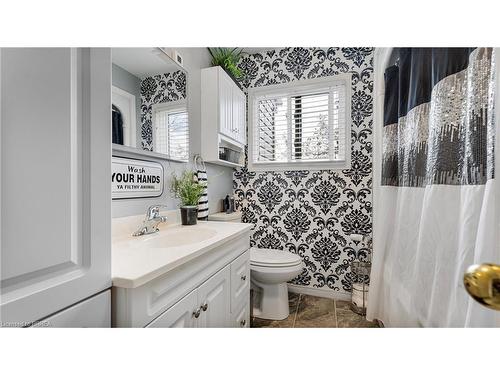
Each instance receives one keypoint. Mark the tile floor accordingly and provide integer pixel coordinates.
(316, 312)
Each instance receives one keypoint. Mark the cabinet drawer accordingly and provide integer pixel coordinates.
(240, 280)
(241, 316)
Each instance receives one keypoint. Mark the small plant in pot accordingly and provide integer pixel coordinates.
(189, 192)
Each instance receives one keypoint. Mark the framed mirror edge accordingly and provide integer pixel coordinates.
(119, 150)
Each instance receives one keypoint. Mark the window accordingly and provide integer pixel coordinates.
(171, 130)
(300, 125)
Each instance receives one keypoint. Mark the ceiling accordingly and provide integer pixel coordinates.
(143, 62)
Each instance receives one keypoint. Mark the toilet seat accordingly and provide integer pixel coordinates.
(273, 258)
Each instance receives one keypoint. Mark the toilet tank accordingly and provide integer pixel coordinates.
(234, 217)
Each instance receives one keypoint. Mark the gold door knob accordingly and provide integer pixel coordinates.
(483, 284)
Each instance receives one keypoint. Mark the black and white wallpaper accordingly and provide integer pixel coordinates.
(161, 88)
(312, 213)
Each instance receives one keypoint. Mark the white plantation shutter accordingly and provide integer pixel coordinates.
(295, 127)
(171, 131)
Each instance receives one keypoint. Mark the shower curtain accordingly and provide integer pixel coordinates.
(434, 189)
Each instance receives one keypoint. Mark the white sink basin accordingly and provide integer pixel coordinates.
(174, 237)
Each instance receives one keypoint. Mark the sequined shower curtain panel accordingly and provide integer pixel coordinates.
(434, 212)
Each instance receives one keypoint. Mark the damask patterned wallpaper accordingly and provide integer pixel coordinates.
(312, 213)
(161, 88)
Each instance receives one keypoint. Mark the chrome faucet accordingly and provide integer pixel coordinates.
(152, 220)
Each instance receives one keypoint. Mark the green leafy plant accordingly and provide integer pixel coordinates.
(186, 188)
(228, 59)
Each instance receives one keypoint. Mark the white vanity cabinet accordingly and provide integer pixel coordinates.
(223, 115)
(221, 301)
(206, 306)
(211, 290)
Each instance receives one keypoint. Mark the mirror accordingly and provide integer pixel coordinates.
(149, 103)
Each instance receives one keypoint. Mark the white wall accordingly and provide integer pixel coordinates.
(220, 179)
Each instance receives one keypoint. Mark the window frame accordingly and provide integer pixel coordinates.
(170, 107)
(300, 87)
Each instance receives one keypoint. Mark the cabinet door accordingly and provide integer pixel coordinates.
(241, 316)
(55, 195)
(180, 315)
(225, 104)
(214, 300)
(239, 115)
(240, 280)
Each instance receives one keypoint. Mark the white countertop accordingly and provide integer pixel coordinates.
(137, 260)
(222, 216)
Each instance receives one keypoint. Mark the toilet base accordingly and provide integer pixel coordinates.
(272, 303)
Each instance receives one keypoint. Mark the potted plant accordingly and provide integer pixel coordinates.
(227, 59)
(189, 192)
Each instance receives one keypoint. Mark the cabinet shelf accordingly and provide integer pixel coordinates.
(224, 163)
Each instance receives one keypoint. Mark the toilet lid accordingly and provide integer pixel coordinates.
(273, 258)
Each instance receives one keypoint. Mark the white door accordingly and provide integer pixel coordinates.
(214, 300)
(55, 195)
(181, 315)
(94, 312)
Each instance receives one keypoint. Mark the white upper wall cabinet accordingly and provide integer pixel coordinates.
(223, 118)
(55, 171)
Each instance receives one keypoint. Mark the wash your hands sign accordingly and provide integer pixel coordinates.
(132, 178)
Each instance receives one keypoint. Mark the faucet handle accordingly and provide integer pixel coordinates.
(154, 210)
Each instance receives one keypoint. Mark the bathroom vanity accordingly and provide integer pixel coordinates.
(181, 276)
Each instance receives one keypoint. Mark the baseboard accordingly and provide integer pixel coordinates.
(341, 296)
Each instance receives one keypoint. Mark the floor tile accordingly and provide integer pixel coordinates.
(346, 318)
(293, 301)
(265, 323)
(315, 312)
(342, 305)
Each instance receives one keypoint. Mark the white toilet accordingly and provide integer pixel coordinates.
(270, 270)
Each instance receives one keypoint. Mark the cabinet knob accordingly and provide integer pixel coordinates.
(244, 277)
(197, 313)
(243, 322)
(204, 307)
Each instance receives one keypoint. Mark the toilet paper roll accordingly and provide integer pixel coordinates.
(356, 237)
